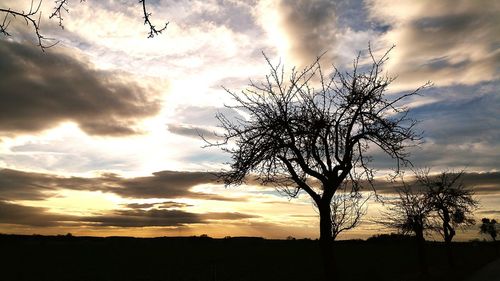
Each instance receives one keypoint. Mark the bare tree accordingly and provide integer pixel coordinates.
(453, 203)
(410, 213)
(32, 18)
(311, 126)
(489, 227)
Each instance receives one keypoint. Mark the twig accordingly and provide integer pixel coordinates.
(152, 29)
(30, 19)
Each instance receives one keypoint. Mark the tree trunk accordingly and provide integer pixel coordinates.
(421, 253)
(449, 233)
(326, 241)
(447, 240)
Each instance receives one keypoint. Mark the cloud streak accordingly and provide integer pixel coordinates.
(39, 217)
(19, 185)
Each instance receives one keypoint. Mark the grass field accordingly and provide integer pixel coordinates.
(54, 258)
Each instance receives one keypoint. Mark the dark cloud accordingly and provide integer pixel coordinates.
(18, 185)
(481, 183)
(160, 205)
(30, 216)
(139, 205)
(40, 90)
(172, 204)
(159, 217)
(310, 27)
(40, 217)
(165, 184)
(142, 218)
(191, 131)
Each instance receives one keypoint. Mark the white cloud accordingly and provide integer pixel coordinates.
(448, 42)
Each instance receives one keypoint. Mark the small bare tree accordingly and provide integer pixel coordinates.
(453, 203)
(410, 213)
(311, 126)
(32, 17)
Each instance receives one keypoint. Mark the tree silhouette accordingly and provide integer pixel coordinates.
(410, 213)
(32, 18)
(489, 227)
(310, 131)
(453, 203)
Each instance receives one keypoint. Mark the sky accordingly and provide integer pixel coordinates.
(99, 135)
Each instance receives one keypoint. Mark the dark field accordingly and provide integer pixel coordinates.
(54, 258)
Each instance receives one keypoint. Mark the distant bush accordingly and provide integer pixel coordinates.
(389, 237)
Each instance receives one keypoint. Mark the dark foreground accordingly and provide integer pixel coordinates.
(55, 258)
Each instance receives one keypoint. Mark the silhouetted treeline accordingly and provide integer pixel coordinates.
(66, 257)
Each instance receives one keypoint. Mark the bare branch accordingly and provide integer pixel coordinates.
(153, 31)
(30, 19)
(61, 6)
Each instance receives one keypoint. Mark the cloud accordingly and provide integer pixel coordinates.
(193, 121)
(203, 116)
(226, 216)
(235, 15)
(41, 90)
(31, 216)
(481, 183)
(142, 218)
(461, 114)
(19, 185)
(458, 125)
(490, 212)
(302, 29)
(160, 217)
(164, 184)
(161, 205)
(39, 217)
(191, 131)
(448, 42)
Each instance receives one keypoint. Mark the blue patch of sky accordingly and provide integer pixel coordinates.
(470, 117)
(354, 14)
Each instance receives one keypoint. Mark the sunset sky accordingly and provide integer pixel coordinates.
(99, 135)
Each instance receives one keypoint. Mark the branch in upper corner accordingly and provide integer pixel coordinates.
(60, 6)
(33, 15)
(152, 29)
(30, 19)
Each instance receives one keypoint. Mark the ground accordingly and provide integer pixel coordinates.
(61, 258)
